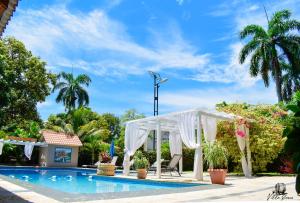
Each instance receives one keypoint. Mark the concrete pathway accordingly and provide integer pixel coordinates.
(237, 189)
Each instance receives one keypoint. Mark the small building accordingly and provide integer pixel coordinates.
(62, 149)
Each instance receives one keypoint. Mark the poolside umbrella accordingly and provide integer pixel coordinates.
(112, 149)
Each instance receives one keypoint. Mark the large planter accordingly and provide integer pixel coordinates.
(141, 173)
(106, 169)
(217, 176)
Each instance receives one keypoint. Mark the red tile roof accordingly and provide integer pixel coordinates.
(57, 138)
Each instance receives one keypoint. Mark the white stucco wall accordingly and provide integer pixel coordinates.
(49, 151)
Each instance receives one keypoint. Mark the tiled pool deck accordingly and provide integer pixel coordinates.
(236, 189)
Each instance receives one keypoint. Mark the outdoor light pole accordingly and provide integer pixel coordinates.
(157, 81)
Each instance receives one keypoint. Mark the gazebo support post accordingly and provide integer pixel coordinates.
(199, 131)
(158, 149)
(146, 145)
(181, 160)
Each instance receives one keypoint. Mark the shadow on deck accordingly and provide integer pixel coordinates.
(9, 197)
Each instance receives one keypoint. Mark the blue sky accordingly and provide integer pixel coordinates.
(193, 43)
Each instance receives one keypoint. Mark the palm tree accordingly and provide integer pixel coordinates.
(290, 81)
(82, 122)
(92, 143)
(266, 46)
(71, 90)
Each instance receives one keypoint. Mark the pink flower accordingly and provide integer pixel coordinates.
(240, 133)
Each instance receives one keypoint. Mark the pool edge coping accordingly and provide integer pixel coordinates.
(77, 197)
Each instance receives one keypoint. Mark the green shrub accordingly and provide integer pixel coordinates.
(266, 140)
(215, 155)
(292, 131)
(140, 161)
(187, 156)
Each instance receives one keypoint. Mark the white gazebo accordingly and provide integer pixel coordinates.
(184, 127)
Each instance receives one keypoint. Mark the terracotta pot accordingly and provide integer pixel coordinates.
(141, 173)
(106, 169)
(217, 176)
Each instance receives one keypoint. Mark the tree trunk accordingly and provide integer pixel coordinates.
(278, 78)
(93, 156)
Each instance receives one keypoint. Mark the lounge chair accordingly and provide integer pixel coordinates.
(172, 166)
(91, 166)
(153, 167)
(114, 160)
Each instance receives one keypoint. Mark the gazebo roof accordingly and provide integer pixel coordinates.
(22, 141)
(168, 121)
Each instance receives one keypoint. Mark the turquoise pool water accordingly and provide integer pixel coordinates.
(83, 181)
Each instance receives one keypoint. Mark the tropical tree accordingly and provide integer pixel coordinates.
(24, 82)
(128, 115)
(82, 122)
(113, 125)
(266, 46)
(71, 91)
(33, 131)
(292, 131)
(93, 144)
(131, 114)
(290, 81)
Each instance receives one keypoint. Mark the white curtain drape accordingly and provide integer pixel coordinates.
(134, 139)
(242, 135)
(209, 125)
(28, 149)
(186, 125)
(175, 143)
(1, 146)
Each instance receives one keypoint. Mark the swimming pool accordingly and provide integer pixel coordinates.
(84, 181)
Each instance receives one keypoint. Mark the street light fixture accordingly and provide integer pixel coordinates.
(157, 81)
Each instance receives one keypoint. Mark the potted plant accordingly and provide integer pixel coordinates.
(216, 157)
(141, 164)
(105, 167)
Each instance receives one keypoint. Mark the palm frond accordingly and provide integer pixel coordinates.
(255, 63)
(59, 86)
(83, 79)
(265, 72)
(61, 95)
(248, 49)
(83, 97)
(279, 17)
(255, 30)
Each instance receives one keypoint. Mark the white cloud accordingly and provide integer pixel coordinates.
(99, 44)
(45, 104)
(66, 39)
(112, 3)
(230, 72)
(209, 97)
(243, 13)
(180, 2)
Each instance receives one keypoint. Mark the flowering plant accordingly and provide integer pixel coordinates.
(241, 133)
(104, 157)
(243, 121)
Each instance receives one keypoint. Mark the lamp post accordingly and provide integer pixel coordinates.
(157, 81)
